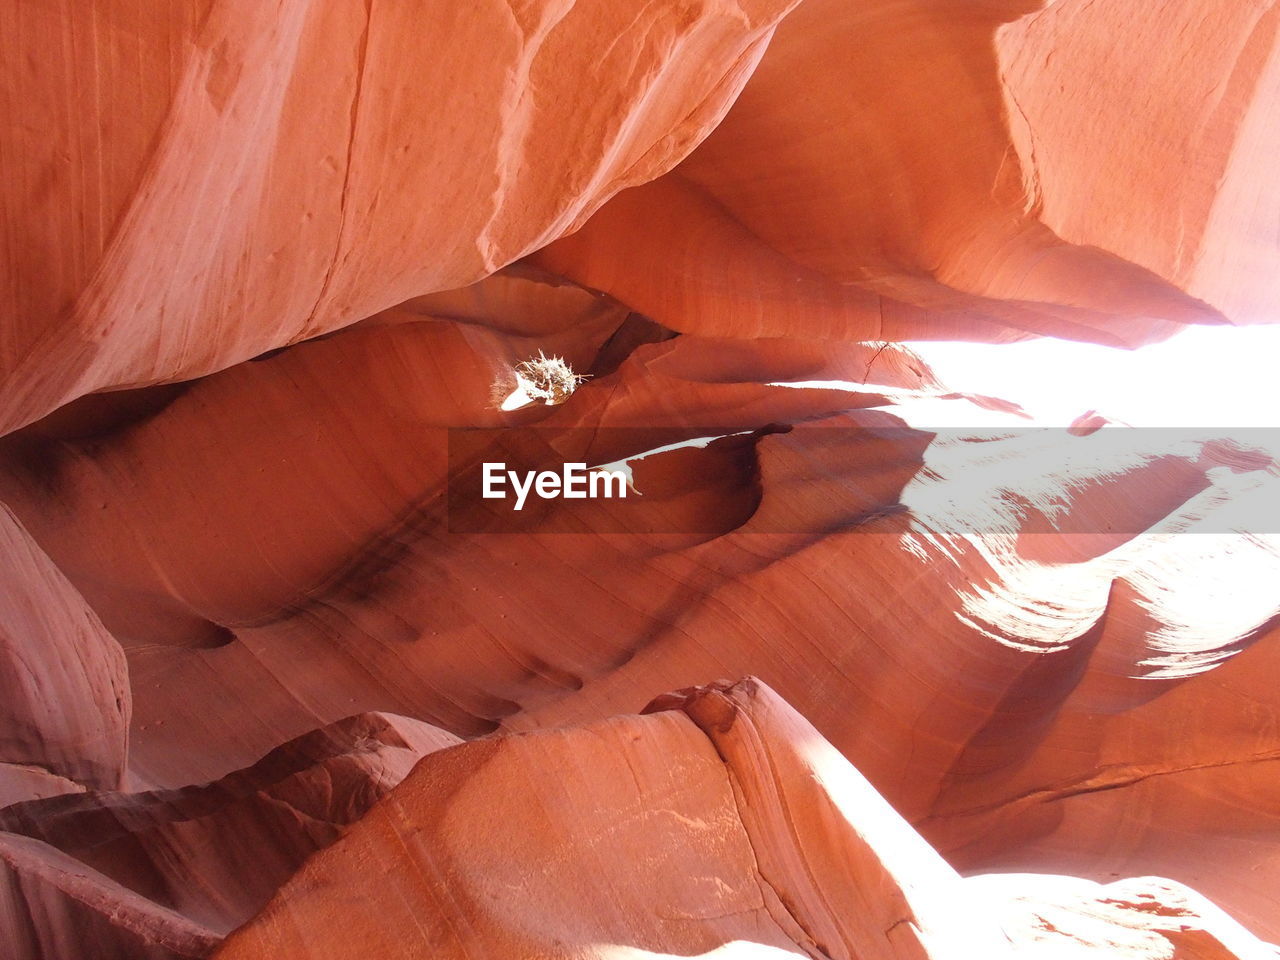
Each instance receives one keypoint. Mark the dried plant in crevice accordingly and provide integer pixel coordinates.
(549, 379)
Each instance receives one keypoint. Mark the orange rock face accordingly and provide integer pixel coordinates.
(176, 183)
(721, 825)
(276, 682)
(167, 873)
(934, 185)
(65, 713)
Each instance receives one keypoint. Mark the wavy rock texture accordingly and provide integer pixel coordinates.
(924, 170)
(758, 840)
(64, 719)
(1089, 660)
(167, 873)
(53, 905)
(262, 310)
(192, 189)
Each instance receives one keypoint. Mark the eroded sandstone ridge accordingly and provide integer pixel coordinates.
(267, 689)
(720, 824)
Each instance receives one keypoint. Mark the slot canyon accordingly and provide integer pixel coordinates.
(858, 664)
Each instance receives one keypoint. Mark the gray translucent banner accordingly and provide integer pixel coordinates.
(875, 477)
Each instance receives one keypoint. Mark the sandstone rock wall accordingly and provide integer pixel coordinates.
(269, 270)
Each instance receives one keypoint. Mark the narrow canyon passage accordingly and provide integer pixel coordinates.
(882, 559)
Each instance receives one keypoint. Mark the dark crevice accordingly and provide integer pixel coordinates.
(635, 331)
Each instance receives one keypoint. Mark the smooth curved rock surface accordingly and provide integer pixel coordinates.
(758, 839)
(189, 190)
(269, 273)
(53, 905)
(965, 175)
(333, 550)
(168, 873)
(64, 716)
(1094, 164)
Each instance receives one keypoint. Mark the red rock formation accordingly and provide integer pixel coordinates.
(1050, 626)
(1099, 166)
(720, 825)
(190, 190)
(272, 235)
(53, 905)
(918, 170)
(64, 717)
(167, 873)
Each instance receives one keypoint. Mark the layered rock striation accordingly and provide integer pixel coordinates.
(270, 688)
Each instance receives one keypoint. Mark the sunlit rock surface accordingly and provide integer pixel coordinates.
(193, 185)
(270, 277)
(928, 170)
(719, 825)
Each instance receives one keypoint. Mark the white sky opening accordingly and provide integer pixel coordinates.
(1219, 376)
